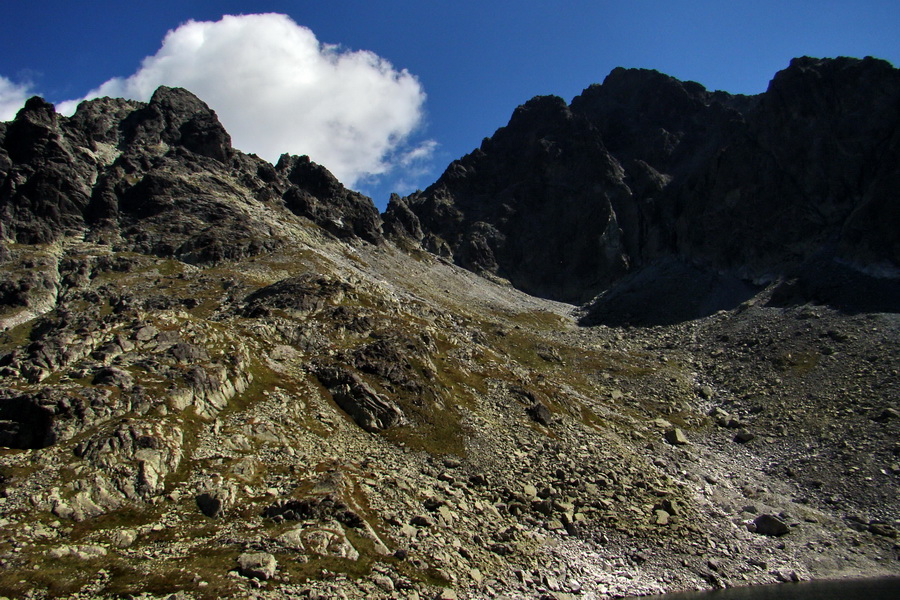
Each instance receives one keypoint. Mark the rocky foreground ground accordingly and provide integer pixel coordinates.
(348, 420)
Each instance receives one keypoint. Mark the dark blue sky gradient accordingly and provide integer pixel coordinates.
(476, 60)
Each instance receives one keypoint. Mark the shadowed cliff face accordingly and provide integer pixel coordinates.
(566, 200)
(529, 201)
(815, 165)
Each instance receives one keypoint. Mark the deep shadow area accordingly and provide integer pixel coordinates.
(25, 424)
(837, 285)
(666, 292)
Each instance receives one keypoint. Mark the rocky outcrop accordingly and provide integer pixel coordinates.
(26, 422)
(303, 294)
(44, 188)
(134, 458)
(176, 118)
(159, 178)
(315, 193)
(568, 199)
(260, 565)
(369, 409)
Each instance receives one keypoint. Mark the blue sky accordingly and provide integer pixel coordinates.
(457, 69)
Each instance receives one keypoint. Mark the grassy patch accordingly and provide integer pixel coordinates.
(209, 564)
(17, 336)
(300, 571)
(589, 418)
(434, 429)
(57, 578)
(540, 320)
(127, 517)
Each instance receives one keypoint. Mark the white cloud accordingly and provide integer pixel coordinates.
(421, 153)
(277, 89)
(12, 98)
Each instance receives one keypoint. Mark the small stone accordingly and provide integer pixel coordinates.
(89, 552)
(113, 376)
(63, 510)
(146, 333)
(211, 504)
(451, 462)
(551, 583)
(555, 525)
(767, 524)
(446, 514)
(786, 576)
(539, 413)
(641, 557)
(888, 414)
(743, 436)
(79, 552)
(676, 437)
(662, 517)
(260, 565)
(446, 594)
(478, 480)
(669, 506)
(123, 538)
(384, 582)
(422, 521)
(545, 507)
(883, 530)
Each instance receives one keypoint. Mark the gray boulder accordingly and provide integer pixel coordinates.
(767, 524)
(259, 565)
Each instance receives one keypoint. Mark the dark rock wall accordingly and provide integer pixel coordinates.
(566, 200)
(812, 171)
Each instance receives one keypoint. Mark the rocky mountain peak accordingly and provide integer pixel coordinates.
(160, 177)
(648, 93)
(176, 117)
(101, 120)
(37, 112)
(644, 167)
(539, 111)
(33, 131)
